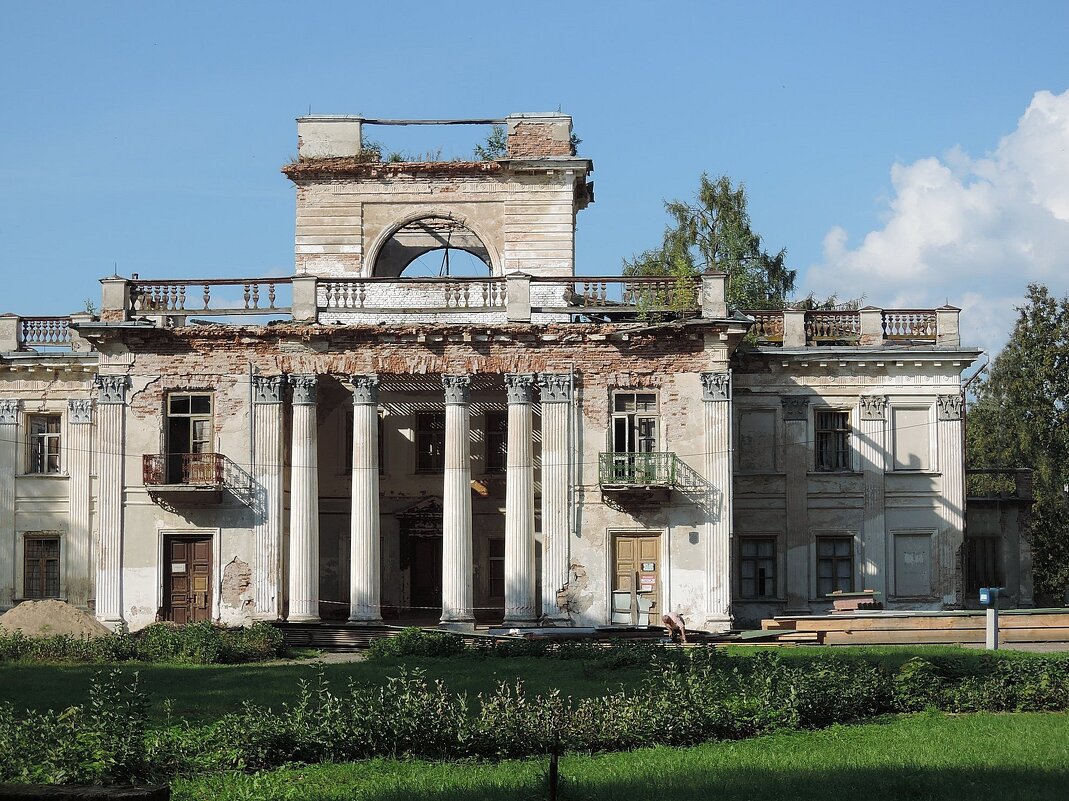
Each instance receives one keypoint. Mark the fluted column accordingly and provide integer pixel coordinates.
(304, 503)
(77, 462)
(267, 481)
(364, 557)
(556, 428)
(111, 413)
(872, 450)
(951, 458)
(9, 440)
(457, 569)
(716, 398)
(519, 504)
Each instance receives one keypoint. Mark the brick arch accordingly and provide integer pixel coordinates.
(375, 249)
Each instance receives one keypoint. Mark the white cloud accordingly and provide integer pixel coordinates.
(973, 232)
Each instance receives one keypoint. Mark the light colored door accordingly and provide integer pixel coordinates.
(637, 571)
(913, 565)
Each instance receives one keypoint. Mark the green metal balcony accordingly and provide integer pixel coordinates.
(637, 470)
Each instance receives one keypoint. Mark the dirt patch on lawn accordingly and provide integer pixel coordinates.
(50, 618)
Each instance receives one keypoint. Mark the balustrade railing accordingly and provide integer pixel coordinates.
(636, 469)
(767, 327)
(168, 297)
(191, 469)
(910, 324)
(646, 294)
(49, 332)
(832, 327)
(411, 295)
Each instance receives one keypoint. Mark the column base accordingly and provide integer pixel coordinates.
(364, 621)
(520, 623)
(718, 624)
(557, 622)
(116, 624)
(302, 619)
(457, 625)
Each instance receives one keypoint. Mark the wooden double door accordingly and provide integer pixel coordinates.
(636, 586)
(187, 579)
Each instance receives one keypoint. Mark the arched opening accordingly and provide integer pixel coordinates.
(433, 247)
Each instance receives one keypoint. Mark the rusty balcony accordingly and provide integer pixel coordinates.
(195, 477)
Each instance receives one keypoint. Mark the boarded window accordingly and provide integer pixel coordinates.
(757, 440)
(757, 567)
(41, 567)
(913, 565)
(835, 564)
(910, 438)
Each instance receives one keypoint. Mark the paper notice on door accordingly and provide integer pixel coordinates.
(178, 567)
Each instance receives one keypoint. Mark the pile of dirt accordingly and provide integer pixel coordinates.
(50, 618)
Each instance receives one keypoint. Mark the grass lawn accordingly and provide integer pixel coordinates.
(204, 693)
(980, 757)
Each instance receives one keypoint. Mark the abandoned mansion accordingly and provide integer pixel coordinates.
(371, 440)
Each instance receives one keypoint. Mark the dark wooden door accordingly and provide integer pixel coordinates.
(426, 574)
(187, 579)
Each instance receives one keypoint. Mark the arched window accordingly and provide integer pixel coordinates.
(433, 247)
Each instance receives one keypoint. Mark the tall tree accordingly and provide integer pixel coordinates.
(713, 233)
(1020, 418)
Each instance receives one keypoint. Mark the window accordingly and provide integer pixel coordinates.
(189, 432)
(41, 574)
(44, 443)
(496, 568)
(835, 564)
(832, 441)
(634, 422)
(757, 567)
(430, 442)
(496, 441)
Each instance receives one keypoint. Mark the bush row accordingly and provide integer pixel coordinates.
(693, 698)
(193, 644)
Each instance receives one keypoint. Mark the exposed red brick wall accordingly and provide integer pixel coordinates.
(536, 140)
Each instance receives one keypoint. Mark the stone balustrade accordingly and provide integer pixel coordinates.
(868, 327)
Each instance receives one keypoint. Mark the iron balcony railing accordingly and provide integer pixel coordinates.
(637, 469)
(191, 469)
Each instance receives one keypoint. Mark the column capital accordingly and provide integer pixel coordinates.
(111, 389)
(520, 387)
(948, 407)
(80, 410)
(457, 389)
(365, 389)
(795, 407)
(9, 411)
(716, 386)
(556, 387)
(304, 389)
(873, 407)
(267, 389)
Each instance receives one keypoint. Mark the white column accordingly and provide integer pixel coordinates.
(111, 413)
(9, 451)
(556, 468)
(457, 569)
(519, 504)
(872, 451)
(267, 486)
(716, 398)
(77, 462)
(951, 465)
(365, 562)
(304, 503)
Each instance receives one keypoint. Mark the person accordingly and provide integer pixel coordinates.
(676, 625)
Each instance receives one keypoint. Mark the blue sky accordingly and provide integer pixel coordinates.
(913, 152)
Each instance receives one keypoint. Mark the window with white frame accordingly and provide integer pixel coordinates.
(44, 432)
(634, 422)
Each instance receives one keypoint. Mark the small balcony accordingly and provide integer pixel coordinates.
(196, 478)
(636, 471)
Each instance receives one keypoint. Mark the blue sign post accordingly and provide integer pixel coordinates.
(989, 598)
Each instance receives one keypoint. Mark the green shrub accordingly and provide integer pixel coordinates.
(414, 641)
